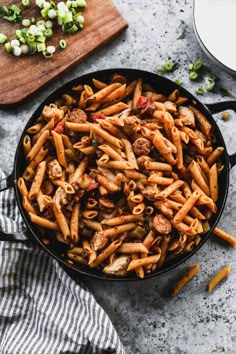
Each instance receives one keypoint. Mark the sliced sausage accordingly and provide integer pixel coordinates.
(161, 224)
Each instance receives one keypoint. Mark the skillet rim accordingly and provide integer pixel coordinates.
(94, 273)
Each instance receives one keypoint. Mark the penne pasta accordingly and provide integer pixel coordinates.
(224, 272)
(125, 177)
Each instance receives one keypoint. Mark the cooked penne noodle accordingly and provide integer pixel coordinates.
(139, 270)
(106, 136)
(129, 153)
(164, 181)
(123, 219)
(103, 159)
(215, 155)
(164, 246)
(62, 222)
(225, 236)
(185, 279)
(59, 148)
(116, 94)
(44, 222)
(110, 151)
(116, 108)
(27, 144)
(22, 187)
(27, 205)
(224, 272)
(139, 209)
(68, 188)
(79, 171)
(143, 261)
(78, 127)
(102, 93)
(94, 225)
(110, 186)
(205, 126)
(131, 247)
(137, 93)
(177, 141)
(99, 84)
(118, 229)
(38, 158)
(160, 166)
(43, 201)
(213, 179)
(38, 179)
(37, 146)
(90, 214)
(106, 252)
(196, 173)
(170, 189)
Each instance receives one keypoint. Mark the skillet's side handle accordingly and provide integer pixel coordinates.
(7, 182)
(219, 107)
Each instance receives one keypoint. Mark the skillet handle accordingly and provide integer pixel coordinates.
(7, 182)
(219, 107)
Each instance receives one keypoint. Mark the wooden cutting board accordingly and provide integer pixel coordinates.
(22, 76)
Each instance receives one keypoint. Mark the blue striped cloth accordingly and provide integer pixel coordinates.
(42, 309)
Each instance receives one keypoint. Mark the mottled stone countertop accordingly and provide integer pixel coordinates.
(147, 320)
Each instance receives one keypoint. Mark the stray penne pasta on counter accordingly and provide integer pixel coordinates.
(126, 176)
(224, 272)
(178, 286)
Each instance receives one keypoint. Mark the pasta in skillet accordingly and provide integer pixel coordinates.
(126, 176)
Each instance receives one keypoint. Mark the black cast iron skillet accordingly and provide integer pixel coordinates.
(164, 86)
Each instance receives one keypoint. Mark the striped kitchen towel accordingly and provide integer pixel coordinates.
(42, 309)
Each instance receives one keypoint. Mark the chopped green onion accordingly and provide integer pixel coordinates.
(24, 49)
(33, 20)
(178, 81)
(52, 13)
(3, 38)
(41, 47)
(8, 47)
(168, 66)
(198, 65)
(40, 23)
(81, 3)
(17, 51)
(32, 47)
(199, 90)
(210, 84)
(190, 67)
(26, 3)
(49, 24)
(15, 43)
(44, 12)
(26, 22)
(206, 226)
(62, 44)
(41, 39)
(193, 75)
(47, 55)
(51, 49)
(15, 9)
(4, 10)
(40, 3)
(48, 33)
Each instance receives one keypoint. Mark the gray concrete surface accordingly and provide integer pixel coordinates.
(147, 320)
